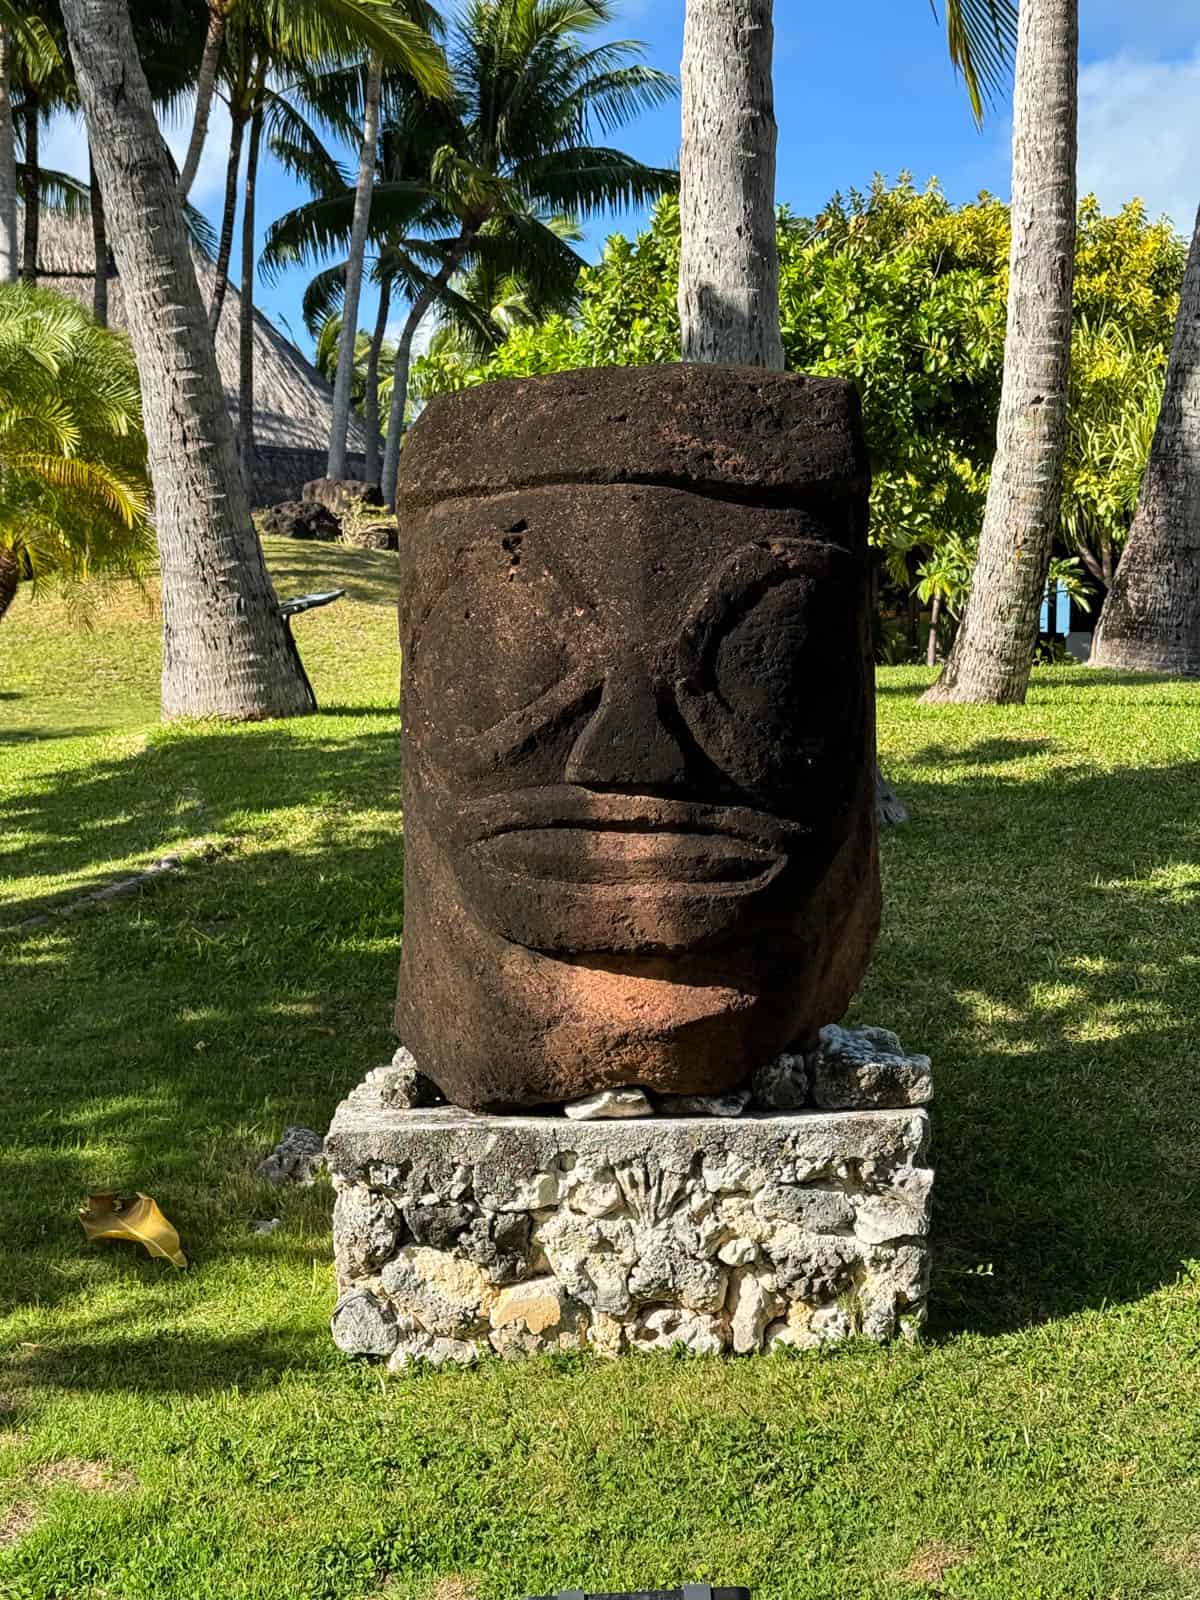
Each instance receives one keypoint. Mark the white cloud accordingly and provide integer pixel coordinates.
(1139, 134)
(63, 146)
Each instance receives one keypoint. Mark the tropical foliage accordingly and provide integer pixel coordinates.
(74, 491)
(905, 293)
(509, 153)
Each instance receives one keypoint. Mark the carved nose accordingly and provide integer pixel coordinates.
(625, 744)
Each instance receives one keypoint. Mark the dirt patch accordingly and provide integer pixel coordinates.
(1186, 1556)
(931, 1563)
(16, 1522)
(94, 1477)
(455, 1588)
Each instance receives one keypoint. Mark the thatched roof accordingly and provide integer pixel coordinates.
(293, 403)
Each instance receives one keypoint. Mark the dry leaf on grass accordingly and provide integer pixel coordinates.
(114, 1216)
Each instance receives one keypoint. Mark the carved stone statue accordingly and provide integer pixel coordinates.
(639, 740)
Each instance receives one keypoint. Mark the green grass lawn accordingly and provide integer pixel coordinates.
(194, 1436)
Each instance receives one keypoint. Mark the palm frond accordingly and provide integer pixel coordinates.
(982, 36)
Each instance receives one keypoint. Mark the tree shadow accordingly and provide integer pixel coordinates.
(184, 787)
(1147, 687)
(1041, 943)
(983, 753)
(40, 735)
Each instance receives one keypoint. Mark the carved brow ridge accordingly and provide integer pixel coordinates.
(824, 493)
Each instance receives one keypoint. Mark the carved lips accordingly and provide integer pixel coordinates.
(564, 868)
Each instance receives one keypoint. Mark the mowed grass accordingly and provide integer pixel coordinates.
(194, 1436)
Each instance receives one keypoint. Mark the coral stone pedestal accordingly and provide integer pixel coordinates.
(458, 1233)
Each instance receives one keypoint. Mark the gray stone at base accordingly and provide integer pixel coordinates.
(297, 1158)
(468, 1233)
(855, 1067)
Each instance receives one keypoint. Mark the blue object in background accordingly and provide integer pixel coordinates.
(1062, 614)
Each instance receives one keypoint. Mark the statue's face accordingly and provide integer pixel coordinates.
(638, 730)
(638, 717)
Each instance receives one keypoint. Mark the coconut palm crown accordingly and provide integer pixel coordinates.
(514, 151)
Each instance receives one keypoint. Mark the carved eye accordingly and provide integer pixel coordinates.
(502, 628)
(772, 674)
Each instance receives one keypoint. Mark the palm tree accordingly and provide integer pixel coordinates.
(1151, 617)
(729, 261)
(74, 491)
(30, 55)
(486, 173)
(993, 651)
(413, 132)
(729, 266)
(39, 84)
(206, 82)
(530, 88)
(8, 156)
(274, 53)
(226, 649)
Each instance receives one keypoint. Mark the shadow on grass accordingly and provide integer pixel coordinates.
(27, 735)
(983, 753)
(187, 785)
(1041, 944)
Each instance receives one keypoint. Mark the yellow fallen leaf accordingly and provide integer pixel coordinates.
(114, 1216)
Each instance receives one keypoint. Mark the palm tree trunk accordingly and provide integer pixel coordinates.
(344, 378)
(100, 248)
(226, 650)
(993, 652)
(729, 262)
(10, 577)
(245, 429)
(1150, 621)
(228, 213)
(31, 191)
(9, 255)
(214, 40)
(931, 647)
(371, 383)
(416, 313)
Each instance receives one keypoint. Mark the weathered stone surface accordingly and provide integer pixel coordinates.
(667, 1326)
(299, 519)
(753, 1303)
(782, 1085)
(518, 1234)
(341, 495)
(704, 1105)
(369, 1226)
(638, 730)
(500, 1244)
(853, 1067)
(363, 1325)
(435, 1352)
(403, 1085)
(608, 1105)
(442, 1293)
(439, 1224)
(297, 1158)
(371, 533)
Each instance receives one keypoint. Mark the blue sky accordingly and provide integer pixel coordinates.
(864, 88)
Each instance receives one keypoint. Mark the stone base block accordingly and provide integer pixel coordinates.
(456, 1234)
